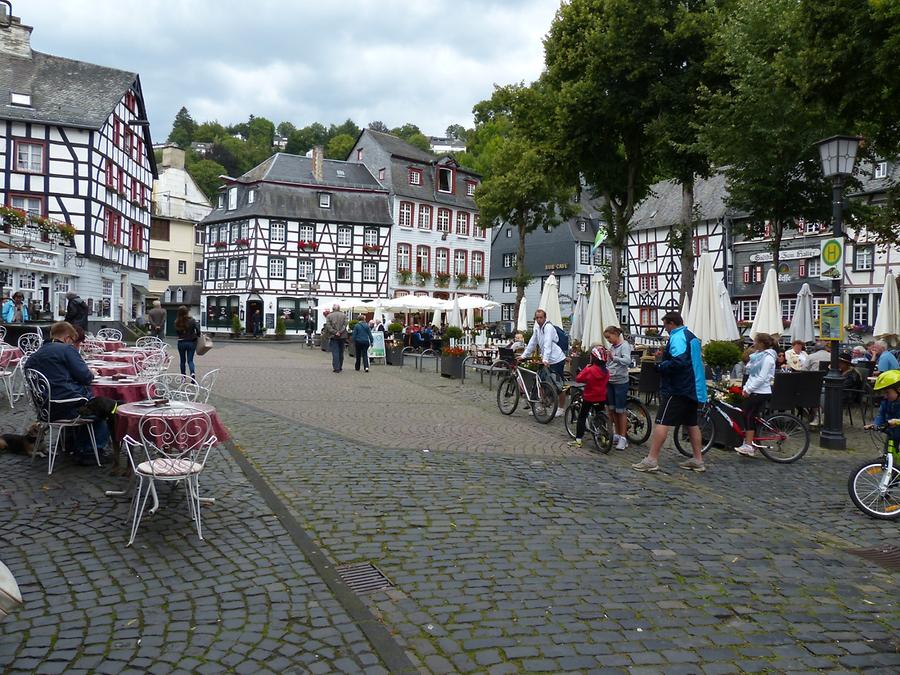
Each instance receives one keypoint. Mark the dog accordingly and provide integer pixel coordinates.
(22, 444)
(103, 408)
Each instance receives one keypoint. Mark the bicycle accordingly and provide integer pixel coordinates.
(597, 422)
(636, 414)
(542, 395)
(874, 485)
(781, 437)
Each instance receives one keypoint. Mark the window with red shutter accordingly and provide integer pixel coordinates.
(746, 275)
(110, 174)
(116, 131)
(802, 270)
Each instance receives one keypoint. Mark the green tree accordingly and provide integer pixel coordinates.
(285, 129)
(208, 132)
(230, 153)
(302, 140)
(339, 146)
(419, 141)
(182, 129)
(406, 131)
(378, 125)
(348, 127)
(205, 173)
(456, 131)
(260, 133)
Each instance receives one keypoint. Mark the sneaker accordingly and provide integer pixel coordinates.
(560, 412)
(693, 465)
(621, 443)
(615, 439)
(746, 450)
(646, 465)
(367, 370)
(577, 443)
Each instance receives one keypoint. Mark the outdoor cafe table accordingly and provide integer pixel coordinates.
(10, 356)
(178, 413)
(122, 356)
(111, 345)
(107, 368)
(125, 390)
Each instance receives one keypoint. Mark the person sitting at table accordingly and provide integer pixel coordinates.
(781, 364)
(884, 360)
(859, 357)
(70, 378)
(518, 343)
(15, 310)
(796, 356)
(427, 336)
(821, 355)
(853, 383)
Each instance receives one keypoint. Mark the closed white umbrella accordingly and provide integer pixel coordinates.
(706, 319)
(887, 325)
(579, 317)
(453, 318)
(10, 596)
(550, 301)
(686, 307)
(768, 312)
(470, 318)
(522, 318)
(601, 313)
(436, 318)
(802, 326)
(731, 327)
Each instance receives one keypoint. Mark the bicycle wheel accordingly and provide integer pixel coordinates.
(599, 429)
(866, 491)
(707, 434)
(546, 406)
(639, 423)
(508, 395)
(571, 416)
(782, 438)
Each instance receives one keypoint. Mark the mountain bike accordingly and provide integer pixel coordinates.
(636, 414)
(540, 392)
(597, 422)
(874, 485)
(781, 437)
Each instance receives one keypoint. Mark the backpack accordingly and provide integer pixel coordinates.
(562, 339)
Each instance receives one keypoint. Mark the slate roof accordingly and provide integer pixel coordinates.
(191, 295)
(662, 208)
(397, 146)
(874, 186)
(63, 91)
(286, 168)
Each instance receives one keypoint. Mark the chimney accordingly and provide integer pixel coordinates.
(15, 39)
(317, 157)
(173, 157)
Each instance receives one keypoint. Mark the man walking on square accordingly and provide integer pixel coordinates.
(682, 387)
(336, 330)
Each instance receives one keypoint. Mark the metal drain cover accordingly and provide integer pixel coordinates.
(887, 556)
(364, 578)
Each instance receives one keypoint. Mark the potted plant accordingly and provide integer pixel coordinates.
(395, 348)
(462, 279)
(453, 332)
(423, 278)
(404, 276)
(477, 279)
(578, 358)
(280, 329)
(236, 327)
(442, 279)
(12, 217)
(452, 361)
(721, 357)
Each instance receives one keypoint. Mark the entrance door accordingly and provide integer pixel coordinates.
(252, 307)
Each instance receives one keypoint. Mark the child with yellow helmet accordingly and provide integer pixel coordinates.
(888, 384)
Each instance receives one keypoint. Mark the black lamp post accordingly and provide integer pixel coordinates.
(838, 155)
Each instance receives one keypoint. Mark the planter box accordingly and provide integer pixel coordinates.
(452, 366)
(394, 355)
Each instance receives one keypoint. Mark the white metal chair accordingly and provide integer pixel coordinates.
(38, 388)
(149, 342)
(29, 343)
(174, 387)
(91, 347)
(2, 333)
(171, 449)
(207, 382)
(150, 364)
(7, 374)
(109, 334)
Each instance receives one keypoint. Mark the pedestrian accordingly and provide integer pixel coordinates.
(545, 339)
(257, 323)
(796, 356)
(156, 317)
(757, 389)
(15, 310)
(188, 332)
(335, 330)
(682, 387)
(888, 385)
(310, 329)
(595, 378)
(362, 339)
(77, 314)
(619, 362)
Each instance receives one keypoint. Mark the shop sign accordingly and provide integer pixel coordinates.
(557, 266)
(796, 254)
(40, 259)
(224, 285)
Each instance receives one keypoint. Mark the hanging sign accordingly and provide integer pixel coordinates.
(831, 324)
(832, 252)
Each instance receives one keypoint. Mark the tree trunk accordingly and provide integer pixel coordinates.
(687, 241)
(520, 271)
(777, 234)
(615, 273)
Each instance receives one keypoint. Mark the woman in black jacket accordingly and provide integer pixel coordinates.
(188, 331)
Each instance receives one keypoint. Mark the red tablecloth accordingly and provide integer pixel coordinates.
(106, 368)
(125, 357)
(129, 392)
(128, 417)
(10, 356)
(111, 345)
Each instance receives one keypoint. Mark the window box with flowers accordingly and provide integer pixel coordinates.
(51, 230)
(423, 278)
(372, 248)
(442, 280)
(136, 202)
(859, 328)
(452, 362)
(404, 276)
(221, 244)
(462, 279)
(12, 218)
(305, 245)
(744, 324)
(243, 241)
(477, 280)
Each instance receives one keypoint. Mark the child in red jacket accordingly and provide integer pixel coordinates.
(595, 377)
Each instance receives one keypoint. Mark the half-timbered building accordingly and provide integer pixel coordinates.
(292, 235)
(438, 246)
(75, 149)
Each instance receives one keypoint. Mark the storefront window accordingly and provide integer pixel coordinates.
(297, 313)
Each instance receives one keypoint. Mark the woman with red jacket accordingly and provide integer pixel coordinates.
(594, 377)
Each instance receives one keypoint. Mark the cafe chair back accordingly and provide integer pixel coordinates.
(29, 343)
(2, 333)
(207, 382)
(109, 334)
(150, 342)
(7, 373)
(174, 387)
(150, 364)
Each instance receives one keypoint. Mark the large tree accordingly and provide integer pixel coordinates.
(182, 129)
(205, 173)
(300, 142)
(339, 146)
(261, 133)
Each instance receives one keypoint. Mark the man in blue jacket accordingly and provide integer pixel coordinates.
(682, 387)
(70, 381)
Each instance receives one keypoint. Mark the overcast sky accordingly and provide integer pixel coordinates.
(302, 61)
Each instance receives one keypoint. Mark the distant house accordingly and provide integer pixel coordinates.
(202, 149)
(280, 142)
(438, 245)
(441, 145)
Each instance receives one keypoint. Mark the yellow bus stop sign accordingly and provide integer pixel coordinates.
(832, 253)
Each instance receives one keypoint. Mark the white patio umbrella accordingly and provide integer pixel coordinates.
(686, 307)
(522, 318)
(436, 318)
(706, 319)
(802, 326)
(472, 302)
(579, 317)
(453, 318)
(768, 312)
(601, 313)
(887, 324)
(470, 318)
(731, 327)
(550, 301)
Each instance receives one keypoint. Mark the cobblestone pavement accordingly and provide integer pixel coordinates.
(508, 551)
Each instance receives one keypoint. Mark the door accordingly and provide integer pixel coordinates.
(252, 307)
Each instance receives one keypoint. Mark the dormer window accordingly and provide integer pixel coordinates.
(20, 99)
(415, 176)
(324, 200)
(221, 200)
(232, 198)
(340, 173)
(359, 154)
(251, 195)
(881, 170)
(470, 188)
(445, 180)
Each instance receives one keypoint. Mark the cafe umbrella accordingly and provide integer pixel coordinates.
(802, 326)
(768, 312)
(550, 301)
(887, 324)
(706, 319)
(601, 313)
(522, 318)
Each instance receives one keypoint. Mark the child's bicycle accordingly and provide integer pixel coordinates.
(597, 422)
(781, 437)
(636, 414)
(874, 485)
(541, 394)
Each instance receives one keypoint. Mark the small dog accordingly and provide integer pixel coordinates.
(104, 408)
(22, 444)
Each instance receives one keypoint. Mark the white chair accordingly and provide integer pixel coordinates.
(38, 389)
(91, 347)
(7, 374)
(150, 364)
(207, 382)
(174, 387)
(109, 334)
(171, 449)
(2, 333)
(149, 342)
(29, 343)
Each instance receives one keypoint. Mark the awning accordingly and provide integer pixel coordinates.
(141, 290)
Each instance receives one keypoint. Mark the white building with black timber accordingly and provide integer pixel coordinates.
(75, 149)
(292, 235)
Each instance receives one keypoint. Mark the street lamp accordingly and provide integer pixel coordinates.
(838, 155)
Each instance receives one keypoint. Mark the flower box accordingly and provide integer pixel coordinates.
(423, 278)
(442, 280)
(307, 245)
(451, 366)
(404, 276)
(462, 279)
(242, 242)
(221, 244)
(371, 248)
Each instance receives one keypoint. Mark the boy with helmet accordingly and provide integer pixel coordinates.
(595, 378)
(888, 384)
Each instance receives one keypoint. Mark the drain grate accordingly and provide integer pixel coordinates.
(888, 556)
(364, 578)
